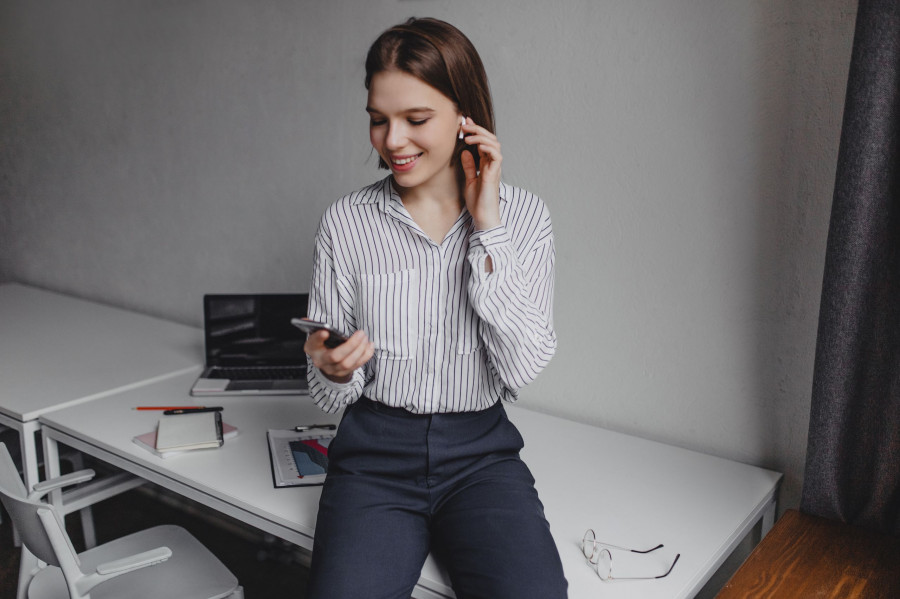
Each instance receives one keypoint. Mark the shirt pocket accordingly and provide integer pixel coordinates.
(467, 326)
(385, 308)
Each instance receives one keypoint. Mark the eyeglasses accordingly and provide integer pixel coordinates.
(601, 558)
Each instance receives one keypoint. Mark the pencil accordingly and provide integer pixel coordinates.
(168, 407)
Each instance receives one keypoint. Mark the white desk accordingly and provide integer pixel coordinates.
(631, 491)
(58, 351)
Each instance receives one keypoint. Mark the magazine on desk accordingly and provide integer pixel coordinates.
(299, 459)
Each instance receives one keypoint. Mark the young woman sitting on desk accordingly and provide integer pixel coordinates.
(446, 275)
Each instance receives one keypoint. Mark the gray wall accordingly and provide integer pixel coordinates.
(151, 151)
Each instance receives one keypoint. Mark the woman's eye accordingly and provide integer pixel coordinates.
(380, 122)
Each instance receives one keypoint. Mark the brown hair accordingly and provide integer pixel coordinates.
(436, 53)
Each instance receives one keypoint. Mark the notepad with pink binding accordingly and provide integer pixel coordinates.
(189, 439)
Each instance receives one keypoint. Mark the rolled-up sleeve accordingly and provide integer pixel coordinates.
(514, 297)
(330, 300)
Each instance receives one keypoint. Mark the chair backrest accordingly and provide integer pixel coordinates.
(25, 516)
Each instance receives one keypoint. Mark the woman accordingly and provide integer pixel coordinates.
(446, 276)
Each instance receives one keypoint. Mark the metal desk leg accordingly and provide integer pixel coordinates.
(31, 476)
(51, 466)
(768, 519)
(29, 453)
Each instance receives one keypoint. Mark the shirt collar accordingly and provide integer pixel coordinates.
(384, 194)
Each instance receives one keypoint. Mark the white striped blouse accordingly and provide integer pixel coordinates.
(448, 336)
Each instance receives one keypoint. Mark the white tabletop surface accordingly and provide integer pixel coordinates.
(237, 474)
(56, 350)
(632, 492)
(637, 493)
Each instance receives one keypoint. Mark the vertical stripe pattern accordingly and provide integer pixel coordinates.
(448, 336)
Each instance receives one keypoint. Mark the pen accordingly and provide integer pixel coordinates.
(307, 427)
(192, 410)
(168, 407)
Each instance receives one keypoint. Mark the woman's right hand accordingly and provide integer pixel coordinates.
(339, 363)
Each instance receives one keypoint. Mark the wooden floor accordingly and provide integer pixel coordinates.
(265, 566)
(806, 556)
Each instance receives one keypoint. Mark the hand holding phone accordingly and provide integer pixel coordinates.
(481, 162)
(335, 337)
(337, 365)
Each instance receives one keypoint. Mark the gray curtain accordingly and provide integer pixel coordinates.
(853, 456)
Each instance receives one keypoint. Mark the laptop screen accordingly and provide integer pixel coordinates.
(254, 329)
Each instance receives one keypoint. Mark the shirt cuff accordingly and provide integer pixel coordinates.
(329, 384)
(494, 242)
(489, 237)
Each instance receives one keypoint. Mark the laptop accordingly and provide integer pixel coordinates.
(251, 347)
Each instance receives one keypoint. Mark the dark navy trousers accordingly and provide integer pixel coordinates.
(400, 485)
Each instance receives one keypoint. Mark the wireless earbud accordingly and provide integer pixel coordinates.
(461, 134)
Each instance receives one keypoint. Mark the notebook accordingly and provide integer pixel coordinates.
(183, 432)
(147, 441)
(250, 345)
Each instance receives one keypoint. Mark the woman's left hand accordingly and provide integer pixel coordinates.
(482, 186)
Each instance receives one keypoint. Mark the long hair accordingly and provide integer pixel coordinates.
(436, 53)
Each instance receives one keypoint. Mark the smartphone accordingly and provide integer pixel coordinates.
(335, 337)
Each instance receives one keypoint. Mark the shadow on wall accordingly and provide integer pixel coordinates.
(797, 164)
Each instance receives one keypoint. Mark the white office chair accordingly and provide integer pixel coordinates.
(164, 562)
(74, 458)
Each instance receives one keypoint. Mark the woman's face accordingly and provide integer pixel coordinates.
(413, 128)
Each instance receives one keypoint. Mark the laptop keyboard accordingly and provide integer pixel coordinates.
(268, 373)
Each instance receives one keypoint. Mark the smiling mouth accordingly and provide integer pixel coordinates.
(405, 160)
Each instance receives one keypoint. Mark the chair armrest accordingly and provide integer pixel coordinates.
(44, 487)
(118, 567)
(133, 562)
